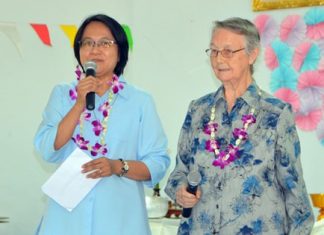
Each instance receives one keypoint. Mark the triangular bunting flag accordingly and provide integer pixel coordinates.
(70, 32)
(42, 32)
(129, 35)
(10, 29)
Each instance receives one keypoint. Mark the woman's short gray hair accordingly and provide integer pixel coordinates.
(243, 27)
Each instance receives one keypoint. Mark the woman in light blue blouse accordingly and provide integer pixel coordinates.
(244, 144)
(122, 134)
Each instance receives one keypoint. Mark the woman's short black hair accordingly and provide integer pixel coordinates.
(118, 33)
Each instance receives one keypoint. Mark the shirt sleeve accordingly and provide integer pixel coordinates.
(178, 176)
(290, 175)
(46, 133)
(152, 143)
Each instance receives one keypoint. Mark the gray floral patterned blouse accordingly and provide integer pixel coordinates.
(262, 191)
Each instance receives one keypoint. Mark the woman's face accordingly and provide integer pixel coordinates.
(237, 67)
(103, 54)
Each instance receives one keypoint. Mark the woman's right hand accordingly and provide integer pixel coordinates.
(85, 86)
(70, 121)
(186, 199)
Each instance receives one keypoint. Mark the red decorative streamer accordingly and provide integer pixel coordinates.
(43, 33)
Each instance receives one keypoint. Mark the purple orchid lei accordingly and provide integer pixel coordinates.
(99, 128)
(225, 157)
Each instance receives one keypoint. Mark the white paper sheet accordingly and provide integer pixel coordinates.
(68, 186)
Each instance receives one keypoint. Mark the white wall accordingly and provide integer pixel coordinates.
(168, 60)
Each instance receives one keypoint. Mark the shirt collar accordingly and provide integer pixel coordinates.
(124, 93)
(251, 96)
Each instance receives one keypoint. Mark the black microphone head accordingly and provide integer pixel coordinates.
(194, 178)
(90, 66)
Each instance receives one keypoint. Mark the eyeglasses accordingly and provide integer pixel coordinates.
(89, 44)
(226, 53)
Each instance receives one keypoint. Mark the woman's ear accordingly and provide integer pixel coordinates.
(253, 55)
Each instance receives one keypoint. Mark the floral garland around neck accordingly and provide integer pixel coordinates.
(99, 127)
(225, 157)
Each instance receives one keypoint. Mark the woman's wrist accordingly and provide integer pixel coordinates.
(79, 107)
(117, 166)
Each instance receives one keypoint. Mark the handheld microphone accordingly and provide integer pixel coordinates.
(194, 179)
(90, 70)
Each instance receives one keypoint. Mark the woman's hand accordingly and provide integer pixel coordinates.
(85, 86)
(100, 167)
(185, 199)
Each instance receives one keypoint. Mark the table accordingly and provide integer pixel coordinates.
(318, 228)
(164, 226)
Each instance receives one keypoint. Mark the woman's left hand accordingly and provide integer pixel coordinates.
(98, 168)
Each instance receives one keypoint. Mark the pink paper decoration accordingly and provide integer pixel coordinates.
(292, 30)
(310, 80)
(316, 31)
(270, 58)
(288, 96)
(268, 28)
(308, 121)
(300, 55)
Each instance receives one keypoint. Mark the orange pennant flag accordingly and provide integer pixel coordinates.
(42, 32)
(70, 31)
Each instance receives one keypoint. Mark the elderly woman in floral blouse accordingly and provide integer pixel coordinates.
(244, 144)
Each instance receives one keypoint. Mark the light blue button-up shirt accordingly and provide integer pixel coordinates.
(117, 204)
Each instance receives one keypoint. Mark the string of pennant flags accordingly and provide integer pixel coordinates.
(42, 30)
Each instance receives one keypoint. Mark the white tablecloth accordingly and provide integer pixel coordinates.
(164, 226)
(318, 228)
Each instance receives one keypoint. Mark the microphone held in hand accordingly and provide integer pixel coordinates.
(90, 70)
(194, 179)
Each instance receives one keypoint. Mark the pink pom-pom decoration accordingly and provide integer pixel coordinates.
(311, 90)
(288, 96)
(292, 30)
(314, 19)
(300, 55)
(267, 27)
(321, 68)
(308, 121)
(270, 58)
(315, 32)
(306, 57)
(311, 80)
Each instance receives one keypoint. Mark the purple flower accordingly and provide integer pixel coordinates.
(79, 73)
(220, 162)
(98, 148)
(97, 127)
(211, 145)
(73, 94)
(115, 84)
(210, 127)
(79, 141)
(86, 116)
(248, 118)
(232, 152)
(104, 108)
(240, 134)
